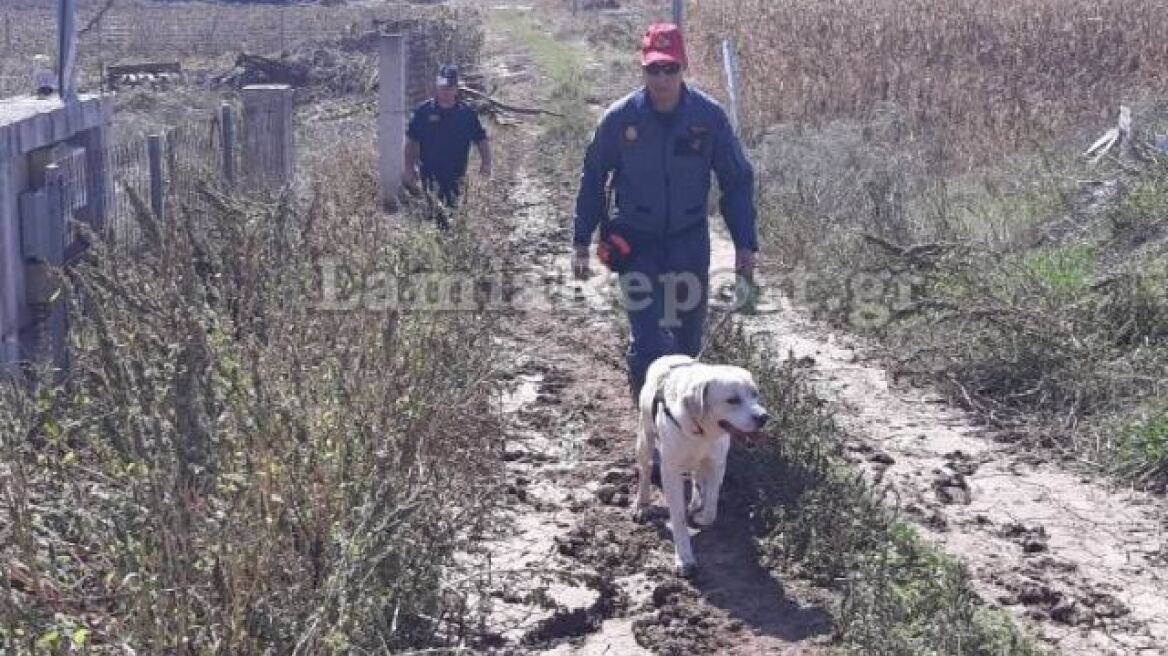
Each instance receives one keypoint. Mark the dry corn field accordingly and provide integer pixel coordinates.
(992, 74)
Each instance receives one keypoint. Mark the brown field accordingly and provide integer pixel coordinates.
(991, 74)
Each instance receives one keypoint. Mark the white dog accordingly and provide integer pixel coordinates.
(689, 410)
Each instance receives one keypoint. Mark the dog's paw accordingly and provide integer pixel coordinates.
(695, 504)
(641, 514)
(703, 518)
(685, 570)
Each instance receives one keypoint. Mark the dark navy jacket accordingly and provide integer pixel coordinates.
(662, 174)
(445, 136)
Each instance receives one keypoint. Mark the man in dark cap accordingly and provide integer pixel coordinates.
(438, 141)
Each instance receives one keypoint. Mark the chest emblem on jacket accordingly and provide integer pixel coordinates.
(435, 118)
(697, 138)
(631, 134)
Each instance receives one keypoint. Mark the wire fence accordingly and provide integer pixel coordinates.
(190, 154)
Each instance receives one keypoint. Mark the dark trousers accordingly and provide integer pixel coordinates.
(441, 196)
(665, 291)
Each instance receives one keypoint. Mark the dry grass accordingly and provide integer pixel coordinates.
(988, 74)
(818, 519)
(233, 469)
(954, 127)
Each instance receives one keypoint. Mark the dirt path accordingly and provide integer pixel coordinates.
(571, 572)
(576, 574)
(1084, 566)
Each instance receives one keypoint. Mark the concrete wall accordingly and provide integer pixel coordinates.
(28, 125)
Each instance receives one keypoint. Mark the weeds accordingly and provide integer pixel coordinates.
(232, 469)
(817, 518)
(936, 152)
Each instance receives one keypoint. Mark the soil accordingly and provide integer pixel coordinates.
(1082, 567)
(1079, 563)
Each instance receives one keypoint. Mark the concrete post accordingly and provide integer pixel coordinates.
(99, 176)
(11, 266)
(56, 343)
(391, 127)
(29, 128)
(268, 144)
(44, 249)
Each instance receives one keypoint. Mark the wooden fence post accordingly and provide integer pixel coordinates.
(228, 123)
(268, 148)
(154, 153)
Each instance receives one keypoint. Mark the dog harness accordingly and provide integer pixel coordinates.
(659, 399)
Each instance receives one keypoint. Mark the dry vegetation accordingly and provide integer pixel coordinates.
(933, 147)
(815, 518)
(230, 469)
(990, 74)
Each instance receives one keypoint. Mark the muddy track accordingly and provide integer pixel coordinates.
(575, 573)
(1084, 568)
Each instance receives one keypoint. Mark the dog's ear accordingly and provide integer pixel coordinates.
(695, 399)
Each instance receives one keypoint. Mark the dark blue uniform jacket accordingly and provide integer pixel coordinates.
(662, 170)
(445, 137)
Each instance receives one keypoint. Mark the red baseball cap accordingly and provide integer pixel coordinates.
(663, 43)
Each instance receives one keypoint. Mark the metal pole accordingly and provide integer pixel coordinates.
(730, 63)
(66, 49)
(679, 13)
(228, 143)
(154, 152)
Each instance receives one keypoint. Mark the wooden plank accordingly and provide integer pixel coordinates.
(144, 67)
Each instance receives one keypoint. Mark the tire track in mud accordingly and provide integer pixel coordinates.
(1084, 567)
(576, 575)
(573, 573)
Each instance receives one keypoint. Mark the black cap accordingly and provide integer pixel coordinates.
(448, 75)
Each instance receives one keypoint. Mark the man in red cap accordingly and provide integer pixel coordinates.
(656, 149)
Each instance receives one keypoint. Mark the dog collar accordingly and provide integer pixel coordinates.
(659, 404)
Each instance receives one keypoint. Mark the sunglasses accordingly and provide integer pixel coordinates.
(659, 68)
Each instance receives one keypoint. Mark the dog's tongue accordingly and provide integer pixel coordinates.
(732, 429)
(751, 439)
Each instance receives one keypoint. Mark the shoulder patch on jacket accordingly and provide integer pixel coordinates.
(630, 134)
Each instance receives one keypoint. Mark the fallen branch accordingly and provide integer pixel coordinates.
(482, 97)
(96, 18)
(918, 254)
